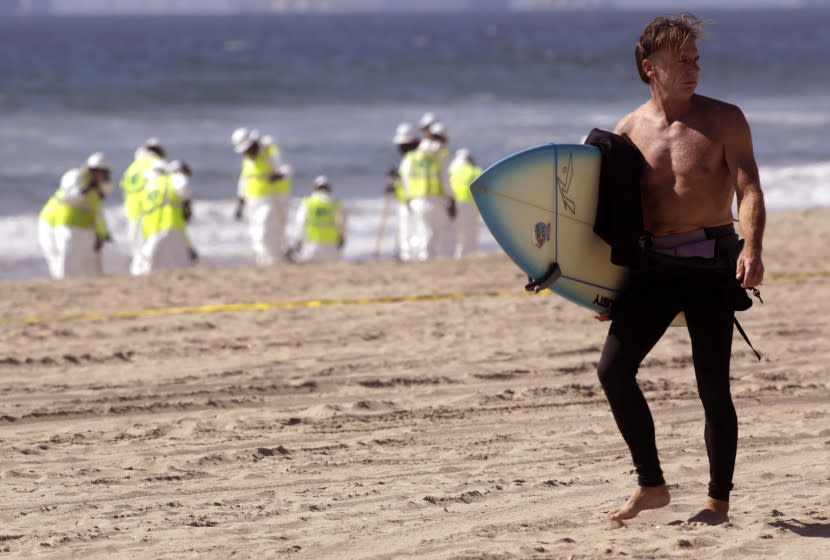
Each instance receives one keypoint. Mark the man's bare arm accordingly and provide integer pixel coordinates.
(751, 211)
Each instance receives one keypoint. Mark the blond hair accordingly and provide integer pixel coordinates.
(666, 31)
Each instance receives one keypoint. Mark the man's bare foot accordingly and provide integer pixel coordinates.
(714, 512)
(644, 497)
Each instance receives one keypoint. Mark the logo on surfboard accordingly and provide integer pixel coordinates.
(564, 184)
(603, 301)
(541, 234)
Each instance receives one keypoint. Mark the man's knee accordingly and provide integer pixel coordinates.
(614, 373)
(719, 408)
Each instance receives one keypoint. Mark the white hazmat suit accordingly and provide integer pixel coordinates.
(71, 228)
(167, 245)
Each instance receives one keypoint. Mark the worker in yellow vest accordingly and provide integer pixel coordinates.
(164, 214)
(463, 171)
(440, 143)
(132, 187)
(425, 182)
(320, 225)
(406, 140)
(72, 229)
(264, 191)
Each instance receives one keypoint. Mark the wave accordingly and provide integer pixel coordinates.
(796, 186)
(223, 241)
(216, 235)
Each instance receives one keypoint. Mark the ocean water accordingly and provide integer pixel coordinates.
(331, 89)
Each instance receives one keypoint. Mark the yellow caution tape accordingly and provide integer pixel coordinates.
(312, 303)
(291, 304)
(797, 275)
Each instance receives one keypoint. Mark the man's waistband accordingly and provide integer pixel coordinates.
(696, 243)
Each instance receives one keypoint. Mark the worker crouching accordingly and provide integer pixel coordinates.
(165, 211)
(320, 225)
(72, 229)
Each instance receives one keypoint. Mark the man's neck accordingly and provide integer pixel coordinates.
(670, 108)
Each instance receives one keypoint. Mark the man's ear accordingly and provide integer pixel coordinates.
(648, 68)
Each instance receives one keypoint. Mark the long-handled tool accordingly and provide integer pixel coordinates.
(382, 227)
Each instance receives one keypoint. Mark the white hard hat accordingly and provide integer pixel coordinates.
(427, 120)
(268, 140)
(240, 139)
(152, 143)
(404, 134)
(98, 161)
(463, 153)
(321, 181)
(438, 129)
(178, 166)
(243, 138)
(239, 135)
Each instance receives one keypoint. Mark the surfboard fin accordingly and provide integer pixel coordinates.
(551, 275)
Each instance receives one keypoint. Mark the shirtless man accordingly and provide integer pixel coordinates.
(698, 154)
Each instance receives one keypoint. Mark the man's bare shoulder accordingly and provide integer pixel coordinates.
(718, 110)
(628, 123)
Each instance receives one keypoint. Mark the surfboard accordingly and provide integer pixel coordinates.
(540, 204)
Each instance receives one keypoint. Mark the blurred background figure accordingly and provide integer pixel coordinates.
(320, 225)
(165, 211)
(440, 143)
(406, 141)
(72, 229)
(425, 186)
(132, 187)
(263, 191)
(463, 171)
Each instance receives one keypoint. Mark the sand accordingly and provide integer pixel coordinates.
(345, 419)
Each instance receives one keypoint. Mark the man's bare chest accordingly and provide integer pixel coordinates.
(680, 152)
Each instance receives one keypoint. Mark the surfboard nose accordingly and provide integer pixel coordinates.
(511, 174)
(516, 199)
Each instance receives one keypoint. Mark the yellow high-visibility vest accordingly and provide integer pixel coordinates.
(399, 192)
(133, 183)
(161, 207)
(423, 173)
(321, 219)
(461, 176)
(58, 213)
(256, 172)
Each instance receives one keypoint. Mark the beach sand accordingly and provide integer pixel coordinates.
(347, 419)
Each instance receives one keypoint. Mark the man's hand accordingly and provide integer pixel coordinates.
(604, 316)
(750, 268)
(239, 207)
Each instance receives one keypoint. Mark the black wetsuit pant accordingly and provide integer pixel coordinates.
(656, 292)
